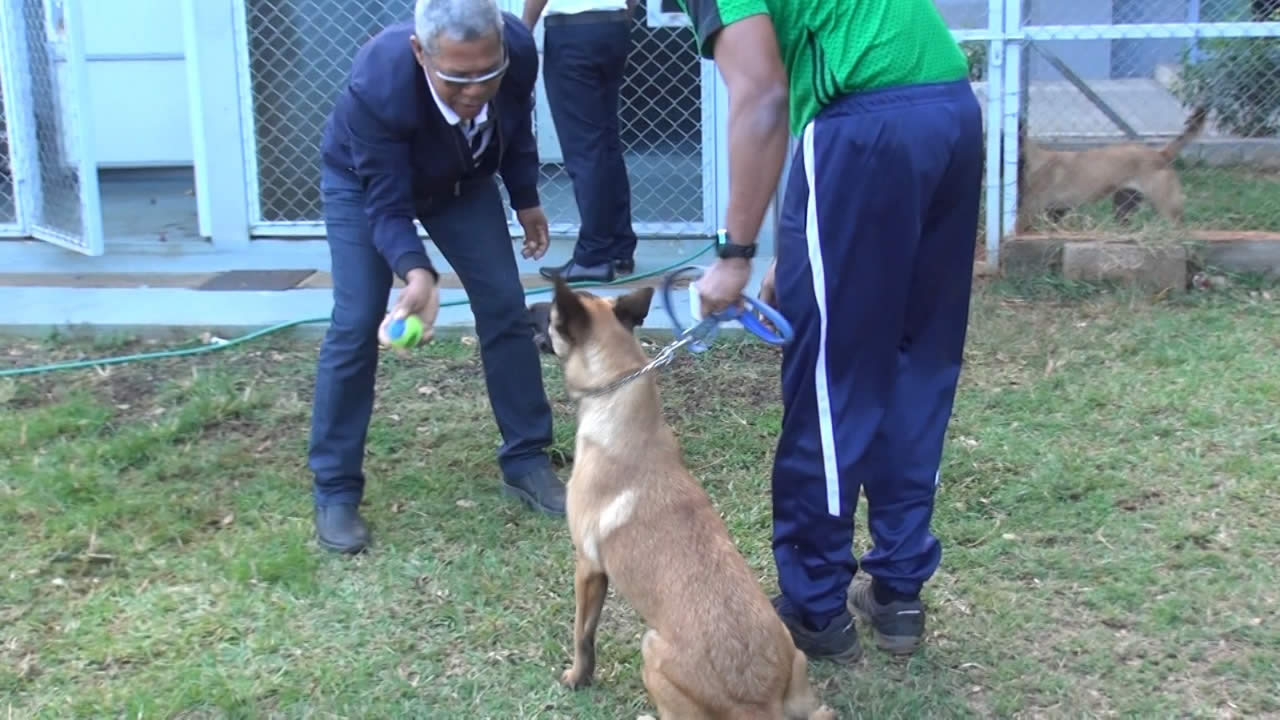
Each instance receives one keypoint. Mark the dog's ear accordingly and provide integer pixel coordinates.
(572, 318)
(631, 309)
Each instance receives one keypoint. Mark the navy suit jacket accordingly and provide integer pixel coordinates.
(386, 128)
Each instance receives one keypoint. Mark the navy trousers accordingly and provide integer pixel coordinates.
(584, 62)
(875, 264)
(471, 231)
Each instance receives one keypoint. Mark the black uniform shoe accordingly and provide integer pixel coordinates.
(624, 266)
(540, 489)
(838, 641)
(896, 620)
(340, 528)
(573, 272)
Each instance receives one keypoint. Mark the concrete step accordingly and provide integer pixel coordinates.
(230, 280)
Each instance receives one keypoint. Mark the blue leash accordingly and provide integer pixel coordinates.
(748, 314)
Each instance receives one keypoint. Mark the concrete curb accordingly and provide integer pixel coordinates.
(1132, 260)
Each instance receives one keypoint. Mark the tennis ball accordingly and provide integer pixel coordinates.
(405, 332)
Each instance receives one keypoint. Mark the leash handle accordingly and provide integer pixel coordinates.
(748, 314)
(668, 283)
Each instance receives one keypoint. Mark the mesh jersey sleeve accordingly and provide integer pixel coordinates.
(711, 16)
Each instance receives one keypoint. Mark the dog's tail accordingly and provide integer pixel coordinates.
(799, 702)
(1195, 125)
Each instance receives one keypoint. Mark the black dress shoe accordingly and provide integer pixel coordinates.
(340, 528)
(540, 490)
(624, 266)
(573, 272)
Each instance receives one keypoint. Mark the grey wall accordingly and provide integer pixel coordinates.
(1090, 59)
(1138, 58)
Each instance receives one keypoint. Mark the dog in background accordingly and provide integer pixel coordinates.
(1057, 181)
(715, 648)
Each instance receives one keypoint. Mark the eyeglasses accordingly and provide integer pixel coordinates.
(474, 79)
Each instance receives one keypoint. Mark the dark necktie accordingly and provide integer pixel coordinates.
(477, 141)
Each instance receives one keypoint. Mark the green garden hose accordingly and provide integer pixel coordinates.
(201, 349)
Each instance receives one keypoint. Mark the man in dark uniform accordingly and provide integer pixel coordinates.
(432, 110)
(584, 52)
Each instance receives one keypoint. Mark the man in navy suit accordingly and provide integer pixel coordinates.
(432, 110)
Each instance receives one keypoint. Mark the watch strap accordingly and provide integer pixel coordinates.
(725, 248)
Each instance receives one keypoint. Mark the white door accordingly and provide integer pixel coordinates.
(52, 174)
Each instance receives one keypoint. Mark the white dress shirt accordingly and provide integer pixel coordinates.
(570, 7)
(480, 126)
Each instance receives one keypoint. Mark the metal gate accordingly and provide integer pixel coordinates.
(295, 55)
(49, 178)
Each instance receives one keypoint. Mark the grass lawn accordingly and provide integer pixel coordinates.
(1107, 507)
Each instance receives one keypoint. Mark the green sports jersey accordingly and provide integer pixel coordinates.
(831, 48)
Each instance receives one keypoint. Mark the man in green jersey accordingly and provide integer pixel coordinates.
(874, 265)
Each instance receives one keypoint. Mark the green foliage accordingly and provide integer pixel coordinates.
(1238, 79)
(976, 52)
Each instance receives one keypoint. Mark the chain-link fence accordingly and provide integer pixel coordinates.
(58, 205)
(661, 128)
(299, 54)
(1132, 12)
(8, 195)
(964, 14)
(1104, 73)
(41, 117)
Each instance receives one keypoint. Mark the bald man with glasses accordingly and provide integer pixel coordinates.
(432, 110)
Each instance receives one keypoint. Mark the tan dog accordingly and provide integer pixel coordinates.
(1056, 181)
(715, 648)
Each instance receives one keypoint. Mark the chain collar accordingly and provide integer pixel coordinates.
(661, 360)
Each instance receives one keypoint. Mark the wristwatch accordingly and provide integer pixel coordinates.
(727, 249)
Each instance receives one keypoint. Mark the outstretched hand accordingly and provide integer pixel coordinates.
(421, 297)
(537, 236)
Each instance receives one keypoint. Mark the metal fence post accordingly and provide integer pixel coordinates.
(1011, 111)
(715, 138)
(995, 113)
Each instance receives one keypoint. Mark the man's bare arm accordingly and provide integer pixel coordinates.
(746, 54)
(533, 11)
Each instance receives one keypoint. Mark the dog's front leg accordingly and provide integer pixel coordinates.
(589, 588)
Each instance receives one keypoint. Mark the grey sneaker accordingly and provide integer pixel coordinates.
(838, 641)
(898, 625)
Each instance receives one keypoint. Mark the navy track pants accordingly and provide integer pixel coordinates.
(875, 267)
